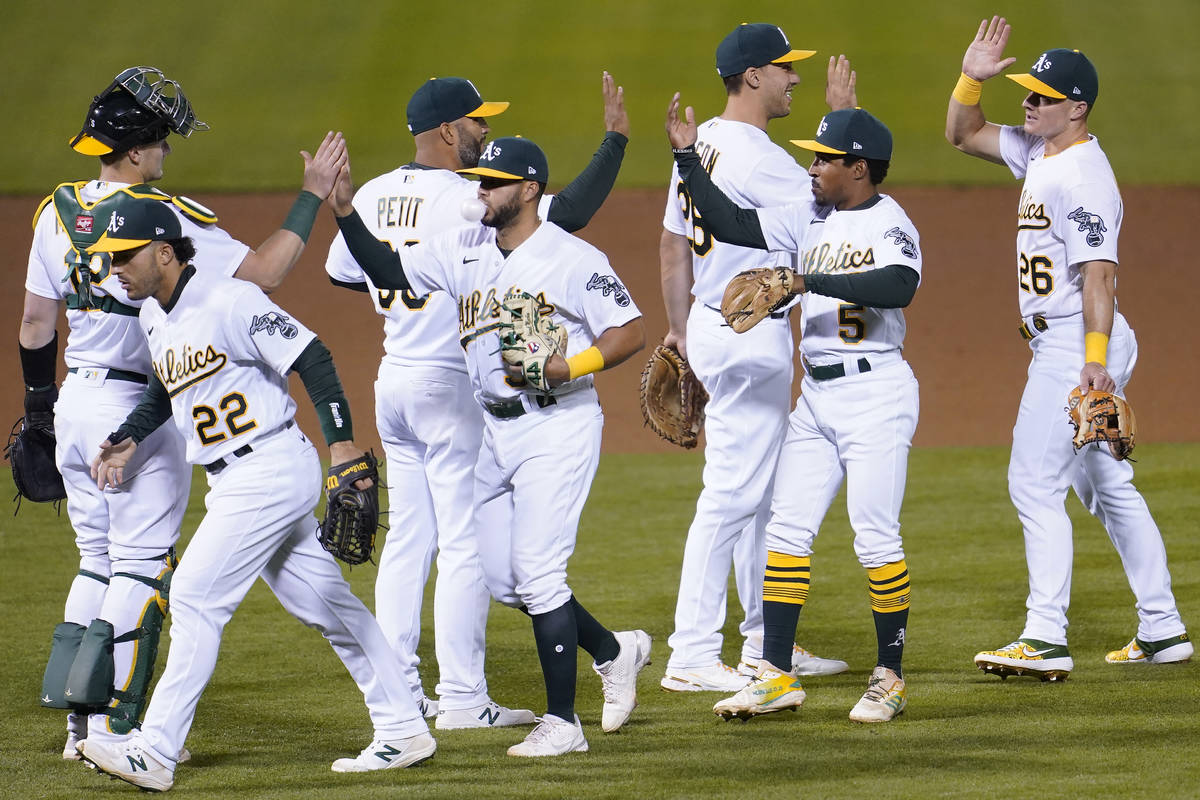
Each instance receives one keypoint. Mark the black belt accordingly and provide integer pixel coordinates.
(772, 315)
(244, 450)
(828, 373)
(117, 374)
(508, 409)
(1039, 326)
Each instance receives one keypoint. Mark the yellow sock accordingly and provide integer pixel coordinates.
(786, 579)
(888, 586)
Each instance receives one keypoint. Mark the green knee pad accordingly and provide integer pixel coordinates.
(67, 636)
(89, 683)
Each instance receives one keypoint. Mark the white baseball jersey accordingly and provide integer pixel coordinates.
(1070, 213)
(845, 243)
(753, 172)
(572, 279)
(99, 339)
(223, 351)
(402, 208)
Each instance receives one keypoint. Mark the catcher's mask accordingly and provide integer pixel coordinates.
(141, 106)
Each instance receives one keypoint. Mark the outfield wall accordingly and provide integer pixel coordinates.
(962, 339)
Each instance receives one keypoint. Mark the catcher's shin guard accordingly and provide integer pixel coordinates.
(67, 636)
(113, 672)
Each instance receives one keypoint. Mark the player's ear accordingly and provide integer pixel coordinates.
(448, 133)
(1080, 111)
(752, 77)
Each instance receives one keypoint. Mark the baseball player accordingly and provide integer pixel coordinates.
(221, 352)
(748, 378)
(529, 487)
(428, 421)
(125, 538)
(859, 265)
(1068, 222)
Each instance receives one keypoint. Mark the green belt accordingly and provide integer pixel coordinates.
(507, 409)
(831, 371)
(117, 375)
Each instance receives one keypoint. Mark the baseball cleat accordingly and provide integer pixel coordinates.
(427, 707)
(127, 760)
(70, 749)
(618, 678)
(553, 736)
(803, 663)
(771, 691)
(488, 715)
(718, 677)
(1050, 662)
(1165, 651)
(77, 731)
(884, 699)
(389, 755)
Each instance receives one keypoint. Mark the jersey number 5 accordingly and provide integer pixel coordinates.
(851, 327)
(234, 406)
(699, 238)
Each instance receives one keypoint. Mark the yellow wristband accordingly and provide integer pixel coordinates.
(585, 363)
(1095, 347)
(968, 90)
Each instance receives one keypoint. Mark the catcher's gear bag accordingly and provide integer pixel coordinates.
(528, 338)
(30, 451)
(673, 398)
(1102, 417)
(754, 294)
(351, 515)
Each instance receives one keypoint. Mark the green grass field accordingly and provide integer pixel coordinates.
(271, 76)
(280, 707)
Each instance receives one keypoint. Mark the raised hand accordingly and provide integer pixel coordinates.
(616, 118)
(341, 199)
(321, 170)
(840, 81)
(680, 132)
(985, 57)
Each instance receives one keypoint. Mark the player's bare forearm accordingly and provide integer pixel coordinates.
(675, 261)
(1099, 308)
(615, 345)
(267, 266)
(37, 321)
(966, 126)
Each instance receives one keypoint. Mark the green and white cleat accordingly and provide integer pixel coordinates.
(771, 691)
(1174, 650)
(1049, 662)
(885, 698)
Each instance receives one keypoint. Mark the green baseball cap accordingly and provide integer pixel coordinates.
(851, 132)
(445, 100)
(512, 158)
(1063, 75)
(754, 45)
(136, 221)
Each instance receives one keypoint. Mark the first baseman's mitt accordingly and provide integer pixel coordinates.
(351, 515)
(529, 338)
(754, 294)
(30, 449)
(673, 398)
(1102, 417)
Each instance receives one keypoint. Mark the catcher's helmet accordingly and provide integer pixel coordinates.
(139, 107)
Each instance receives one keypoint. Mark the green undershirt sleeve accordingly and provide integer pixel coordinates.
(380, 262)
(574, 206)
(721, 216)
(892, 286)
(320, 379)
(151, 411)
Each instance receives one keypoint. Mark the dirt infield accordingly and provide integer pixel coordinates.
(962, 339)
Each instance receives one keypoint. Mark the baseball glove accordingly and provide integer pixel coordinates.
(529, 338)
(30, 450)
(673, 398)
(754, 294)
(351, 515)
(1102, 417)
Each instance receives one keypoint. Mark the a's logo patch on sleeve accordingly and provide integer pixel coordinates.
(907, 246)
(271, 322)
(1092, 223)
(607, 285)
